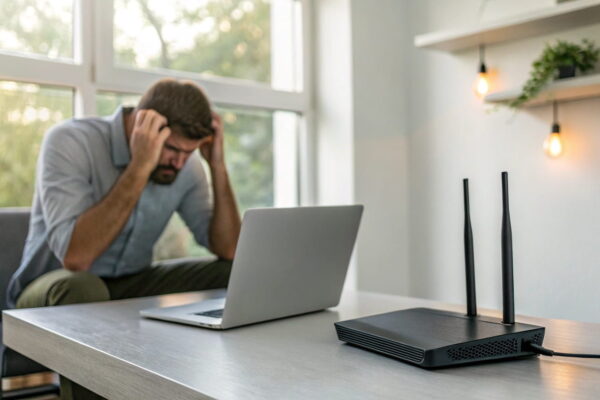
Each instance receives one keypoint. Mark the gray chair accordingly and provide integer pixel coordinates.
(14, 224)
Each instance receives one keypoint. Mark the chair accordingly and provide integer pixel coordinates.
(14, 224)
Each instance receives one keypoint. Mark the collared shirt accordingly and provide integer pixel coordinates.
(80, 161)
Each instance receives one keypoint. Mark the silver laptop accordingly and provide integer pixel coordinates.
(288, 261)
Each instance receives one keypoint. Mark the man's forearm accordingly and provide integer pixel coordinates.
(225, 224)
(96, 228)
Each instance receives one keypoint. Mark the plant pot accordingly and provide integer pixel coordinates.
(566, 71)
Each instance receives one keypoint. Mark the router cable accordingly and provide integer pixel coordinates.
(536, 348)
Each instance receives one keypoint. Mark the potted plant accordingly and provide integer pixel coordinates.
(558, 61)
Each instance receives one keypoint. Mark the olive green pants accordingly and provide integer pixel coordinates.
(62, 286)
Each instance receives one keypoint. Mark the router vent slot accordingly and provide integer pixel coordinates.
(381, 345)
(484, 350)
(537, 338)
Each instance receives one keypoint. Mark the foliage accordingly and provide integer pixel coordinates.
(583, 57)
(26, 112)
(237, 45)
(37, 26)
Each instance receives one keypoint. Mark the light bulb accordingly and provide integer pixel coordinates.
(553, 145)
(482, 85)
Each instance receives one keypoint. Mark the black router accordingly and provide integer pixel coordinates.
(432, 338)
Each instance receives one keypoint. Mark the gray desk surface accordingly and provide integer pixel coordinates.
(110, 349)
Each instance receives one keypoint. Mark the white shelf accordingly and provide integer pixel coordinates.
(563, 16)
(561, 90)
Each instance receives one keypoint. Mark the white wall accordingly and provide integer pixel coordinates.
(333, 101)
(418, 130)
(380, 84)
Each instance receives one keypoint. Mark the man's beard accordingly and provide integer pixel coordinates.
(164, 175)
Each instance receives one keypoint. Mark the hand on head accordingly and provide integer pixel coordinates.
(149, 133)
(212, 147)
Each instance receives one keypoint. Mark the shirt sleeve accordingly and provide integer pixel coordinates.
(64, 184)
(196, 208)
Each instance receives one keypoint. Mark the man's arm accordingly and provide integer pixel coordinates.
(97, 227)
(225, 225)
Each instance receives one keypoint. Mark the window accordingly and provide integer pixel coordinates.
(250, 146)
(26, 112)
(107, 102)
(231, 38)
(40, 27)
(63, 58)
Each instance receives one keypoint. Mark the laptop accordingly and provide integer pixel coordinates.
(288, 261)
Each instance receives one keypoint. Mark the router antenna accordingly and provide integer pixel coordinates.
(469, 258)
(508, 297)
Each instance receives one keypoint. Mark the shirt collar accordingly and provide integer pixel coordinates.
(118, 139)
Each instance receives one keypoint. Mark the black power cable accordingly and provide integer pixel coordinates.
(536, 348)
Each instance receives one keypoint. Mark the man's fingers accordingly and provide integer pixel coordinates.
(145, 124)
(149, 121)
(163, 135)
(157, 123)
(216, 123)
(139, 117)
(149, 118)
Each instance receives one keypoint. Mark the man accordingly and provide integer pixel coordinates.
(105, 190)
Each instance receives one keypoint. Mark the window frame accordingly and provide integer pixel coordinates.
(92, 70)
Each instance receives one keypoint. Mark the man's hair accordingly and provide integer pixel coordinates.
(183, 103)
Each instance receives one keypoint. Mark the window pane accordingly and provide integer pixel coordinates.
(249, 147)
(107, 102)
(231, 38)
(42, 27)
(26, 112)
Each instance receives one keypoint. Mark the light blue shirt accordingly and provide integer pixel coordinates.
(80, 161)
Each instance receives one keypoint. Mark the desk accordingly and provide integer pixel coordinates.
(108, 348)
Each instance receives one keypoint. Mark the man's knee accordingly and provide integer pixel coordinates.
(214, 275)
(77, 287)
(224, 271)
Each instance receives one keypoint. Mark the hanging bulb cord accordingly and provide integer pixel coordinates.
(482, 66)
(536, 348)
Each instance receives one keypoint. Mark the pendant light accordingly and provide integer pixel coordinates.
(553, 145)
(482, 84)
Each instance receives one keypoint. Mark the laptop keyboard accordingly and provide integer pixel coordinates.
(212, 313)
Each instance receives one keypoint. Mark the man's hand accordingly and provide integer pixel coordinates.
(147, 139)
(212, 148)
